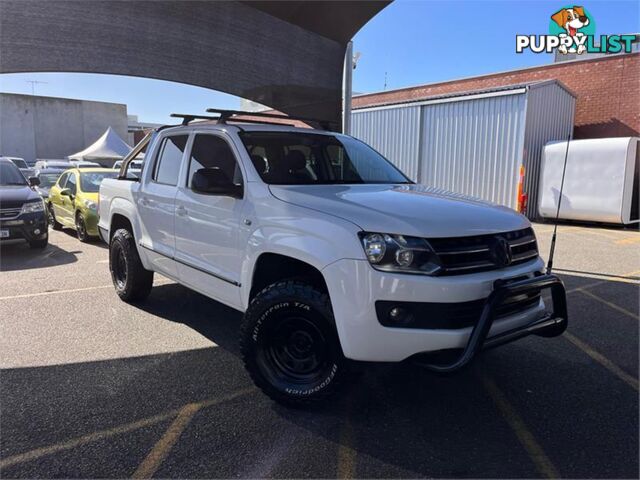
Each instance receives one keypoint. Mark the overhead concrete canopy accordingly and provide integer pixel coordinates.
(284, 54)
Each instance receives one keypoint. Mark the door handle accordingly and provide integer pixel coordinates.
(180, 210)
(144, 201)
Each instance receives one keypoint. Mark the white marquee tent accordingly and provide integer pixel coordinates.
(108, 149)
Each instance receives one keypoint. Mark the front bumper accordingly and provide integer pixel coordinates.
(550, 324)
(355, 287)
(24, 227)
(91, 222)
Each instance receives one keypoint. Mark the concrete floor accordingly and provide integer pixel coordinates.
(93, 387)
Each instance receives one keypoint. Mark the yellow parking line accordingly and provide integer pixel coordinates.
(346, 453)
(628, 241)
(609, 304)
(602, 360)
(70, 290)
(84, 439)
(161, 449)
(102, 434)
(54, 292)
(526, 438)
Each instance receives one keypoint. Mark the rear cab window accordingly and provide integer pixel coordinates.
(169, 159)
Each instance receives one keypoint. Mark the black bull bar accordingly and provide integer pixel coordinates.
(550, 325)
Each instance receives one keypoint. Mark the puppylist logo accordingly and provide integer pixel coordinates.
(572, 30)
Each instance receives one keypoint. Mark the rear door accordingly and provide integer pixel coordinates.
(156, 203)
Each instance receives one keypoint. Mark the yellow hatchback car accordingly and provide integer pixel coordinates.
(73, 200)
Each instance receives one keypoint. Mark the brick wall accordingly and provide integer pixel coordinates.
(607, 89)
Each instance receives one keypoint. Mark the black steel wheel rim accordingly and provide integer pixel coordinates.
(120, 268)
(295, 352)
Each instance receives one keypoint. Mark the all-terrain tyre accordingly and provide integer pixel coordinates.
(55, 224)
(130, 279)
(290, 346)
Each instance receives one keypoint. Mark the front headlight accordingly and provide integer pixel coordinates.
(33, 206)
(91, 205)
(399, 253)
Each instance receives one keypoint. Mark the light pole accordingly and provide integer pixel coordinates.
(347, 82)
(33, 85)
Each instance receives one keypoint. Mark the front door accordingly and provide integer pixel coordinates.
(62, 204)
(156, 204)
(55, 199)
(207, 225)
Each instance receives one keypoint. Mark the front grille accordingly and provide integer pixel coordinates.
(462, 255)
(8, 213)
(452, 316)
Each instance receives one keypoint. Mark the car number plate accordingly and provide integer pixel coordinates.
(4, 233)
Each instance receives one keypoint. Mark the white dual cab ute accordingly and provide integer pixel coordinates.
(333, 254)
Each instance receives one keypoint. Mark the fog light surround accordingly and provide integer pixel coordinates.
(400, 316)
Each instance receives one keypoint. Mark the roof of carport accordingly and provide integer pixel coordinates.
(284, 54)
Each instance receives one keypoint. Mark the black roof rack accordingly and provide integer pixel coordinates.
(229, 114)
(187, 118)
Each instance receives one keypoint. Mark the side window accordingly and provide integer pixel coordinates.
(211, 151)
(62, 180)
(71, 183)
(167, 167)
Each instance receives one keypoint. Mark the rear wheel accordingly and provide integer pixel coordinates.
(52, 219)
(130, 279)
(290, 346)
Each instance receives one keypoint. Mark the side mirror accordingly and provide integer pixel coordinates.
(213, 181)
(34, 181)
(65, 192)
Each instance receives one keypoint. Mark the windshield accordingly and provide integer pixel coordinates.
(19, 163)
(90, 181)
(292, 158)
(48, 179)
(10, 175)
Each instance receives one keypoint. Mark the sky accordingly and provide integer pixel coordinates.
(411, 42)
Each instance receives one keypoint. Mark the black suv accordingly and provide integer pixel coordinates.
(22, 212)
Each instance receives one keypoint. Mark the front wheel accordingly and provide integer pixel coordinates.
(81, 228)
(130, 279)
(290, 346)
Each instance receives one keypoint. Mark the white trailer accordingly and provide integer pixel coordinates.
(601, 181)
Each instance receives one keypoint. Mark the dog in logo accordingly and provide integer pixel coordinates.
(571, 20)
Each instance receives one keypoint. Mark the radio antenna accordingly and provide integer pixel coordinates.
(555, 226)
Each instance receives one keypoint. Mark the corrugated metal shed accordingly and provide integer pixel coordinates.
(397, 135)
(473, 142)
